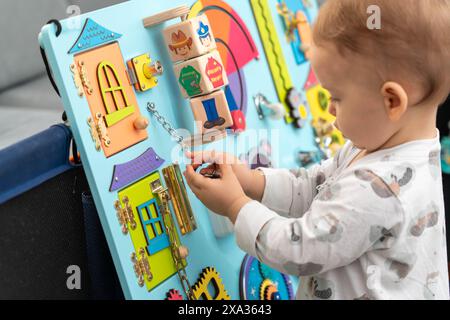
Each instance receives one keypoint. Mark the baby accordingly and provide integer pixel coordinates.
(369, 223)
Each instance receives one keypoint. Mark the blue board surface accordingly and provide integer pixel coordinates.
(126, 21)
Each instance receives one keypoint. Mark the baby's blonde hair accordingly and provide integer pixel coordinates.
(414, 39)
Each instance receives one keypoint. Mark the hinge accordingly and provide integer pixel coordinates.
(125, 215)
(141, 267)
(77, 79)
(81, 79)
(131, 77)
(99, 132)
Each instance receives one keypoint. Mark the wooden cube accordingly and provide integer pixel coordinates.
(211, 112)
(189, 39)
(201, 75)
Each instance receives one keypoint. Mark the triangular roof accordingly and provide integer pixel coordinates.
(311, 81)
(92, 36)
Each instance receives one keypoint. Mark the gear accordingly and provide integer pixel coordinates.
(267, 290)
(200, 289)
(174, 295)
(256, 278)
(271, 293)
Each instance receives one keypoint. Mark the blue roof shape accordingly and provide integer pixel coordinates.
(92, 36)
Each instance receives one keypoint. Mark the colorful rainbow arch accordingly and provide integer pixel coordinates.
(235, 44)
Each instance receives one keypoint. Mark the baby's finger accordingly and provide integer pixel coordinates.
(194, 179)
(207, 157)
(194, 190)
(195, 160)
(189, 175)
(225, 169)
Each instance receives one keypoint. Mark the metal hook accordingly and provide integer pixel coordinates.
(276, 110)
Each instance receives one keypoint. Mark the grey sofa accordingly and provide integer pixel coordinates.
(28, 103)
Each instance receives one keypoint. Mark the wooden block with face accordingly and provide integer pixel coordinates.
(189, 39)
(211, 112)
(201, 75)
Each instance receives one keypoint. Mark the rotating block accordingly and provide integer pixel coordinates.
(211, 112)
(189, 39)
(201, 75)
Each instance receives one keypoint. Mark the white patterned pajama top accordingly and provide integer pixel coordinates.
(372, 230)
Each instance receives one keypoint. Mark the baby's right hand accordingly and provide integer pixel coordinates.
(250, 180)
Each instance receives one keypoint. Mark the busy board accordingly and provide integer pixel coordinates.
(143, 81)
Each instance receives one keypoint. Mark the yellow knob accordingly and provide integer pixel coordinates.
(153, 70)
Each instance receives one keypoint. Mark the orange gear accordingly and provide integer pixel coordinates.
(269, 291)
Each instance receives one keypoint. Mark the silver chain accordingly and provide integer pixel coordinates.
(151, 107)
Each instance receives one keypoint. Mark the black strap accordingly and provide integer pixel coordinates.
(76, 158)
(44, 56)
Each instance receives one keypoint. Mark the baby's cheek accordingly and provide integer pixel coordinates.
(356, 131)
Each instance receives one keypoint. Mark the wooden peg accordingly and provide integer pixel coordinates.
(183, 252)
(178, 12)
(141, 123)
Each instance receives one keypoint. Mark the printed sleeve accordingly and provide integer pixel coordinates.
(291, 192)
(346, 220)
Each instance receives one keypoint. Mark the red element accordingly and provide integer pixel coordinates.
(231, 29)
(239, 124)
(311, 81)
(214, 71)
(174, 295)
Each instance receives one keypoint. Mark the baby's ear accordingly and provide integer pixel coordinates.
(395, 100)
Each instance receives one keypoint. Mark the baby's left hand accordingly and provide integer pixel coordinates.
(223, 196)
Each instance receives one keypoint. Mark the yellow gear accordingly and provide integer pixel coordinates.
(200, 289)
(267, 289)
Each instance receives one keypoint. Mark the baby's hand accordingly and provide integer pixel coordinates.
(224, 195)
(252, 182)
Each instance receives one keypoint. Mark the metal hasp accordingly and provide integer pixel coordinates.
(179, 252)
